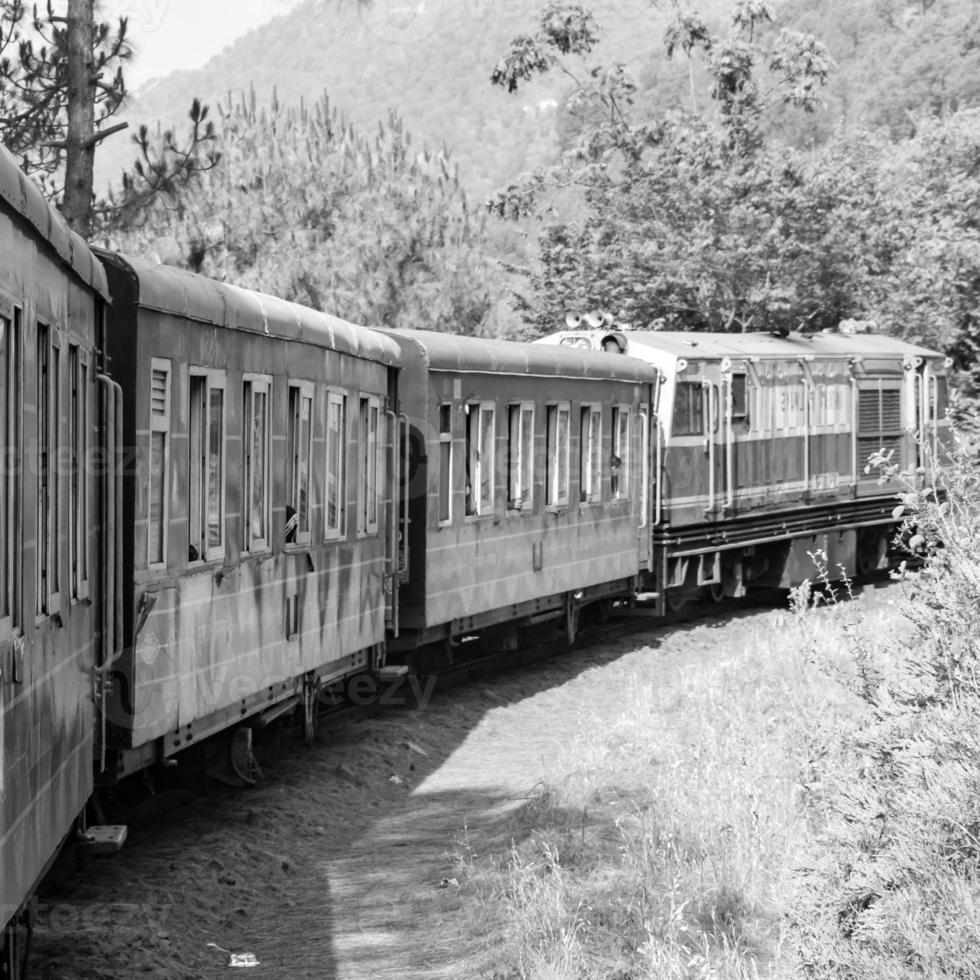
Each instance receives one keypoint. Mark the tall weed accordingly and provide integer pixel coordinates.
(892, 885)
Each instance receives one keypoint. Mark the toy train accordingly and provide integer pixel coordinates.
(217, 505)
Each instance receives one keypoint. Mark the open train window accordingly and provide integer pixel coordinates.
(48, 513)
(688, 417)
(520, 457)
(206, 485)
(740, 408)
(619, 464)
(369, 442)
(11, 421)
(590, 455)
(78, 380)
(558, 450)
(479, 458)
(644, 464)
(336, 475)
(256, 503)
(299, 458)
(445, 463)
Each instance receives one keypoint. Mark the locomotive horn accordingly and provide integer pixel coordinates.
(572, 320)
(593, 319)
(607, 318)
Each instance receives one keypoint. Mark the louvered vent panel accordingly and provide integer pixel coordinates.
(891, 411)
(869, 419)
(158, 392)
(893, 443)
(866, 446)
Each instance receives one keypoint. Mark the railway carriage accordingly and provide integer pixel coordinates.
(52, 622)
(256, 507)
(527, 494)
(763, 445)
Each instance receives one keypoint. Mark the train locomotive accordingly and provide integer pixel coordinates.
(216, 506)
(761, 449)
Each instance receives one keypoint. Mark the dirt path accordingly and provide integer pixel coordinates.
(334, 866)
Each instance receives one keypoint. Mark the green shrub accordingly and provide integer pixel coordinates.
(892, 888)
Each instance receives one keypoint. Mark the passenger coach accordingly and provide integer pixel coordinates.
(528, 492)
(255, 501)
(53, 629)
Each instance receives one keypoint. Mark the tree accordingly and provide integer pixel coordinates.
(678, 219)
(61, 83)
(305, 207)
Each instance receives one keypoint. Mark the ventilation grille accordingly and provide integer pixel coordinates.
(158, 392)
(869, 411)
(891, 411)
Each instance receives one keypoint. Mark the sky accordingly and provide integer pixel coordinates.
(172, 34)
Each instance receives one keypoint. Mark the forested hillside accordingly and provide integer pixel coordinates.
(430, 61)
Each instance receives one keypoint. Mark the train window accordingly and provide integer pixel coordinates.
(336, 483)
(558, 445)
(739, 403)
(206, 498)
(256, 500)
(368, 421)
(940, 397)
(48, 408)
(78, 472)
(520, 457)
(644, 465)
(619, 464)
(11, 416)
(157, 485)
(299, 454)
(445, 463)
(479, 459)
(688, 409)
(590, 455)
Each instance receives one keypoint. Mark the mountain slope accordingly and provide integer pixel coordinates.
(428, 59)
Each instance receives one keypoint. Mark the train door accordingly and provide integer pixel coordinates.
(647, 490)
(396, 539)
(716, 448)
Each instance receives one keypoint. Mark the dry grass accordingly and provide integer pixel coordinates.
(665, 842)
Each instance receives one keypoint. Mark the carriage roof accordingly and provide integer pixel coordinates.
(166, 289)
(480, 355)
(663, 347)
(24, 197)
